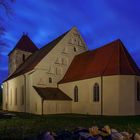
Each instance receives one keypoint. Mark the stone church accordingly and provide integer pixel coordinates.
(65, 77)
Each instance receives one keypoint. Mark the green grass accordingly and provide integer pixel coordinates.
(31, 125)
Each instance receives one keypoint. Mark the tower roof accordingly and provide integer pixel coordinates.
(25, 44)
(111, 59)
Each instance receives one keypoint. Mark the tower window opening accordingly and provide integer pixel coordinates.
(23, 57)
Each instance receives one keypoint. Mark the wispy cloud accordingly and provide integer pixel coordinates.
(99, 22)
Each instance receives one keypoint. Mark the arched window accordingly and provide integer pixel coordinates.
(11, 96)
(96, 92)
(72, 41)
(138, 91)
(75, 94)
(23, 57)
(15, 96)
(22, 95)
(50, 80)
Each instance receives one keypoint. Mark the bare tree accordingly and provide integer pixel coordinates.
(5, 5)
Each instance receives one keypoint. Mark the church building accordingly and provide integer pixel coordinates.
(65, 77)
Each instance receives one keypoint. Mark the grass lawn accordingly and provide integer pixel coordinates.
(26, 125)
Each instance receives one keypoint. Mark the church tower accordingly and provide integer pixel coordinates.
(23, 49)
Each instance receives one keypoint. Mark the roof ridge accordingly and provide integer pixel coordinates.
(54, 39)
(105, 45)
(127, 59)
(100, 47)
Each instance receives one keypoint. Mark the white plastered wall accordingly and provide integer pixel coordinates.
(34, 100)
(9, 94)
(127, 95)
(85, 104)
(5, 96)
(111, 95)
(57, 107)
(16, 59)
(118, 95)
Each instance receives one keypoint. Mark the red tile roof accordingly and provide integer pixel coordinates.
(25, 44)
(111, 59)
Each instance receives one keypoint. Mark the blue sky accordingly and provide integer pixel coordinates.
(99, 21)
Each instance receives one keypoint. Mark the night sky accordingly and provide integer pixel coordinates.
(99, 22)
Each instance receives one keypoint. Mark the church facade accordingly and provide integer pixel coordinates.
(65, 77)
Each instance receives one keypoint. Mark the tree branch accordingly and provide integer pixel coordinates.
(6, 6)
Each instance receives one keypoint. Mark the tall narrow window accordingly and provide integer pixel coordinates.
(6, 94)
(74, 49)
(64, 61)
(138, 91)
(58, 71)
(79, 42)
(11, 97)
(50, 80)
(23, 57)
(75, 94)
(58, 61)
(22, 95)
(96, 92)
(65, 50)
(15, 96)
